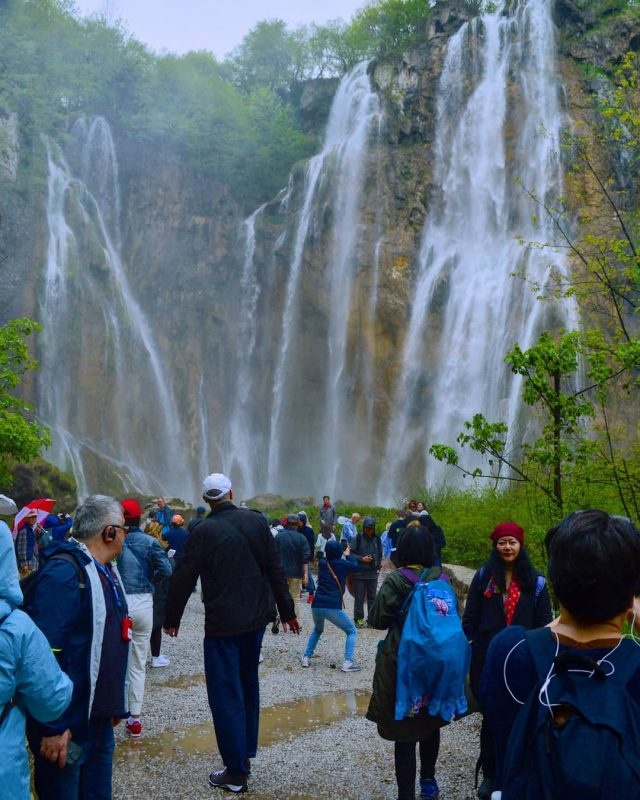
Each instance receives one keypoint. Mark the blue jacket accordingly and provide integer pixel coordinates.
(73, 620)
(29, 674)
(328, 595)
(177, 538)
(58, 528)
(143, 563)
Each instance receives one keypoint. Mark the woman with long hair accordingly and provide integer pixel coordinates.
(505, 591)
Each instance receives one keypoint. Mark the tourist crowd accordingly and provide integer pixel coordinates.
(84, 602)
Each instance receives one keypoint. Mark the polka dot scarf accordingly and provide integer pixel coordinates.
(511, 600)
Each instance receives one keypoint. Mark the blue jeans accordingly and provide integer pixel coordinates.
(89, 779)
(341, 620)
(311, 584)
(233, 689)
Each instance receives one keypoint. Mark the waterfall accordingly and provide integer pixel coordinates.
(104, 390)
(332, 184)
(468, 310)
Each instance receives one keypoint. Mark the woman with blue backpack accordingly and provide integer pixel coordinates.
(409, 712)
(505, 591)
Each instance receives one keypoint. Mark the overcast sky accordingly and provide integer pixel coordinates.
(215, 25)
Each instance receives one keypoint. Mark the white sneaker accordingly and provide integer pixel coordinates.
(160, 661)
(351, 666)
(305, 661)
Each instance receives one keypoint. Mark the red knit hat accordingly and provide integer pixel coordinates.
(131, 508)
(507, 529)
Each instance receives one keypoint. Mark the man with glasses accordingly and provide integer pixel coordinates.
(80, 605)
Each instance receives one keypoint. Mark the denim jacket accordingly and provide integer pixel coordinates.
(143, 562)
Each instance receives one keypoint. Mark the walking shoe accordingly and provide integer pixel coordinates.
(225, 780)
(351, 666)
(429, 789)
(305, 661)
(310, 598)
(134, 728)
(360, 623)
(160, 661)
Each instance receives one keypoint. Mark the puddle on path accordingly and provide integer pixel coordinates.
(276, 723)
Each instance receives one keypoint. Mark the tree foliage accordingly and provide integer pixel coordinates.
(21, 437)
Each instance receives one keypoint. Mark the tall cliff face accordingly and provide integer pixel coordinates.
(323, 343)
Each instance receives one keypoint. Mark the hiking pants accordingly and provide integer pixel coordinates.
(231, 670)
(141, 612)
(405, 763)
(364, 587)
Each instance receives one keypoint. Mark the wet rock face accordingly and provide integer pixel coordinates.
(9, 147)
(596, 38)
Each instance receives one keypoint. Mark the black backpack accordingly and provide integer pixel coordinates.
(590, 749)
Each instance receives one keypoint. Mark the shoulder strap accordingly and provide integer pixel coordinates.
(76, 565)
(540, 583)
(335, 578)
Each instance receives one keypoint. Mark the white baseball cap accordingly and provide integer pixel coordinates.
(215, 486)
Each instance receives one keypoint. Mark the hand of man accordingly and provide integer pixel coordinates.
(171, 631)
(291, 624)
(24, 570)
(54, 748)
(367, 559)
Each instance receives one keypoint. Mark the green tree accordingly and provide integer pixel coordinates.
(21, 437)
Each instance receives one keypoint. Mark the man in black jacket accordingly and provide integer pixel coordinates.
(236, 558)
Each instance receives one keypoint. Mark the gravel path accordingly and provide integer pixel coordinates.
(315, 741)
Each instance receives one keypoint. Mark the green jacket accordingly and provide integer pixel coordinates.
(383, 616)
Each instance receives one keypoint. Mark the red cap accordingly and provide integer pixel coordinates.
(131, 508)
(507, 529)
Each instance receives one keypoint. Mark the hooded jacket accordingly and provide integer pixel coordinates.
(327, 594)
(29, 675)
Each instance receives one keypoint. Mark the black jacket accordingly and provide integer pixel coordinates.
(236, 557)
(484, 617)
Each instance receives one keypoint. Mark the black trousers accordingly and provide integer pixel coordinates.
(405, 763)
(364, 588)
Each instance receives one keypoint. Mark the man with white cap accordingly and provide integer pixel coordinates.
(236, 558)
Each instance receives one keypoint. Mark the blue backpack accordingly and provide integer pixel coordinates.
(590, 748)
(433, 654)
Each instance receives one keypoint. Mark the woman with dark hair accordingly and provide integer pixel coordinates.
(415, 553)
(594, 569)
(505, 591)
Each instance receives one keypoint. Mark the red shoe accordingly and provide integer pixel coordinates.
(134, 728)
(310, 598)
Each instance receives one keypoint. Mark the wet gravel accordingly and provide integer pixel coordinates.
(307, 755)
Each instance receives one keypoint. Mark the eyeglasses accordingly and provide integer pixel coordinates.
(124, 528)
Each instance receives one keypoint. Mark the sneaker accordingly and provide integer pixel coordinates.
(351, 666)
(305, 661)
(310, 598)
(360, 623)
(160, 661)
(134, 728)
(429, 789)
(225, 780)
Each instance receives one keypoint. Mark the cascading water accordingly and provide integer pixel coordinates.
(103, 388)
(467, 308)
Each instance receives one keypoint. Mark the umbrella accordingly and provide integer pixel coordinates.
(41, 515)
(43, 504)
